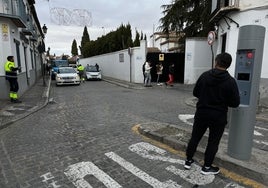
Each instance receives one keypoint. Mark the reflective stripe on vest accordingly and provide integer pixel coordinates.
(8, 66)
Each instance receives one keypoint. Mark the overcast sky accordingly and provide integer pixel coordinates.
(106, 16)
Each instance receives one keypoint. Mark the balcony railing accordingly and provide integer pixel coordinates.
(230, 3)
(14, 10)
(29, 30)
(223, 8)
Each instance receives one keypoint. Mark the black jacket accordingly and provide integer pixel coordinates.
(216, 90)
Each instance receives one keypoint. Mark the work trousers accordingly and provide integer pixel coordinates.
(216, 129)
(82, 75)
(14, 88)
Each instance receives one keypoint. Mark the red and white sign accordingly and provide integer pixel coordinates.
(211, 37)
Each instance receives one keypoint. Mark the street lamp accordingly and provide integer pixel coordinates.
(44, 28)
(103, 29)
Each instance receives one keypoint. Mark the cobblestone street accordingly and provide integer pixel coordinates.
(84, 138)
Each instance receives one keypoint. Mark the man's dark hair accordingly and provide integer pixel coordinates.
(223, 60)
(9, 58)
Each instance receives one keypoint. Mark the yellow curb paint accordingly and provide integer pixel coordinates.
(241, 179)
(226, 173)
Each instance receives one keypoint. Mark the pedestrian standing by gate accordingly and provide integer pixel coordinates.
(159, 71)
(148, 74)
(170, 75)
(12, 77)
(216, 90)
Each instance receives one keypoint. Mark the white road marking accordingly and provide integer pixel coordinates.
(6, 113)
(256, 133)
(140, 174)
(48, 179)
(47, 176)
(260, 142)
(261, 128)
(193, 176)
(233, 185)
(11, 108)
(186, 117)
(78, 171)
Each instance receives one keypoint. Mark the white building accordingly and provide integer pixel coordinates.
(22, 37)
(228, 16)
(165, 43)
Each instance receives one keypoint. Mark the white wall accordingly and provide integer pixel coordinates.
(111, 66)
(249, 4)
(198, 58)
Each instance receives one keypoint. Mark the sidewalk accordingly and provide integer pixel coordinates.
(37, 97)
(33, 100)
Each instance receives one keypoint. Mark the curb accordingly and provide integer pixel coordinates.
(116, 83)
(121, 84)
(220, 159)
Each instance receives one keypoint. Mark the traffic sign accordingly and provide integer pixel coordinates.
(211, 37)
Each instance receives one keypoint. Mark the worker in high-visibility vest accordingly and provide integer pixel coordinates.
(81, 72)
(12, 77)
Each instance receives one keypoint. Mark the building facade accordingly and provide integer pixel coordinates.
(228, 16)
(166, 43)
(23, 38)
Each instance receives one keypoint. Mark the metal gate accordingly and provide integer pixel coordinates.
(167, 59)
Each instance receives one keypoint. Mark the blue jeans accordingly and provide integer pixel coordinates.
(147, 79)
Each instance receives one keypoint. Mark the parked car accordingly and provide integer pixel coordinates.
(67, 76)
(93, 73)
(55, 64)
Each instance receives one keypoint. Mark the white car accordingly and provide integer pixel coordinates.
(67, 76)
(92, 73)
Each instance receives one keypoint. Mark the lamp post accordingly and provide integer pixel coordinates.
(103, 30)
(44, 29)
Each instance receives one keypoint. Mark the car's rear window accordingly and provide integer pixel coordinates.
(91, 69)
(65, 70)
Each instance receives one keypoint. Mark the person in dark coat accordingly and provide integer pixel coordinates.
(216, 90)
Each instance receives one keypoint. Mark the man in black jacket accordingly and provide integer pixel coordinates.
(216, 90)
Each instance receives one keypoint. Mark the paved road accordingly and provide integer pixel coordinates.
(85, 138)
